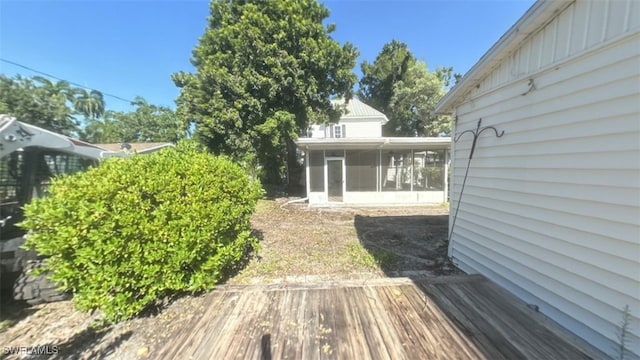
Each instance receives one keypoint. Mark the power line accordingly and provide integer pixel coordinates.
(60, 79)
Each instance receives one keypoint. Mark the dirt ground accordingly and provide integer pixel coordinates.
(298, 244)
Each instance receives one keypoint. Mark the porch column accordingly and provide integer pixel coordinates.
(446, 175)
(307, 170)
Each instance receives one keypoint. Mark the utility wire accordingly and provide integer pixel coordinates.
(60, 79)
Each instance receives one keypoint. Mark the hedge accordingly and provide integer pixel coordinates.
(131, 231)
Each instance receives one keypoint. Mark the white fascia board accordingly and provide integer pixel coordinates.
(377, 143)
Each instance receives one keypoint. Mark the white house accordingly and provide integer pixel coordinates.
(350, 162)
(551, 210)
(360, 121)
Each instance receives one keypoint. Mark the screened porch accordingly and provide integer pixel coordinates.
(408, 172)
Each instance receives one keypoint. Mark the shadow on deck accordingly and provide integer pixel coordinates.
(448, 317)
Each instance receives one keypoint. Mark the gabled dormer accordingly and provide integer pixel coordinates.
(360, 121)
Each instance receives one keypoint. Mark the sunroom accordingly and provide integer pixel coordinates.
(376, 171)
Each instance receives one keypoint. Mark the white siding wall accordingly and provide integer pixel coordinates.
(318, 131)
(361, 128)
(552, 209)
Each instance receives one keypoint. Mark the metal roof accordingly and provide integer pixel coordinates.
(356, 109)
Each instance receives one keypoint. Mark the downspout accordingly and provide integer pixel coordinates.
(294, 201)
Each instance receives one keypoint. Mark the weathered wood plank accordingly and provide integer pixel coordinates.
(260, 318)
(221, 336)
(521, 325)
(446, 335)
(188, 336)
(287, 342)
(475, 327)
(332, 325)
(356, 325)
(465, 318)
(571, 339)
(376, 334)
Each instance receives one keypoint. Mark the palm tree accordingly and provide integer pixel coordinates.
(89, 103)
(61, 87)
(57, 97)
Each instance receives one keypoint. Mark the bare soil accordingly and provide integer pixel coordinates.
(298, 244)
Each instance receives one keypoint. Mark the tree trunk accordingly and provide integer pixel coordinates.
(294, 170)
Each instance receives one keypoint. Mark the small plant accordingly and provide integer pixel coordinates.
(132, 231)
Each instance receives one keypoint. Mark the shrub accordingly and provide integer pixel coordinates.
(131, 231)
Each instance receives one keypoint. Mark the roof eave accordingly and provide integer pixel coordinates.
(538, 15)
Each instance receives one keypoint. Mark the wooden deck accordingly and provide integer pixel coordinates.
(461, 317)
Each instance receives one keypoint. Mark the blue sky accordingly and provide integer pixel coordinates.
(130, 48)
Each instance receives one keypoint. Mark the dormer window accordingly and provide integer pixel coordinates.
(338, 131)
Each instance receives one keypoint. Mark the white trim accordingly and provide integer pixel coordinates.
(553, 66)
(307, 171)
(446, 176)
(535, 18)
(382, 142)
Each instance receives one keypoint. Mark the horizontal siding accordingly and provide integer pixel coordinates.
(552, 209)
(538, 250)
(592, 177)
(362, 129)
(553, 276)
(474, 259)
(580, 27)
(588, 220)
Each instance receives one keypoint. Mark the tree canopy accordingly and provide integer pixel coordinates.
(403, 88)
(264, 70)
(77, 112)
(41, 102)
(146, 123)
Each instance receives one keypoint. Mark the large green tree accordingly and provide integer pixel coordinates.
(402, 87)
(264, 70)
(380, 77)
(412, 104)
(147, 123)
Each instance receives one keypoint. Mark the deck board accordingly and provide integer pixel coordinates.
(436, 318)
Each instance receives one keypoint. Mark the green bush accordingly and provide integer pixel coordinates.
(131, 231)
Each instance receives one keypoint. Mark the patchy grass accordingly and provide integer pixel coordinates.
(372, 259)
(339, 243)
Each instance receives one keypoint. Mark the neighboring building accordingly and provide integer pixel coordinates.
(350, 162)
(551, 210)
(140, 148)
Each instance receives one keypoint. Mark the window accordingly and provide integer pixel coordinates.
(338, 131)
